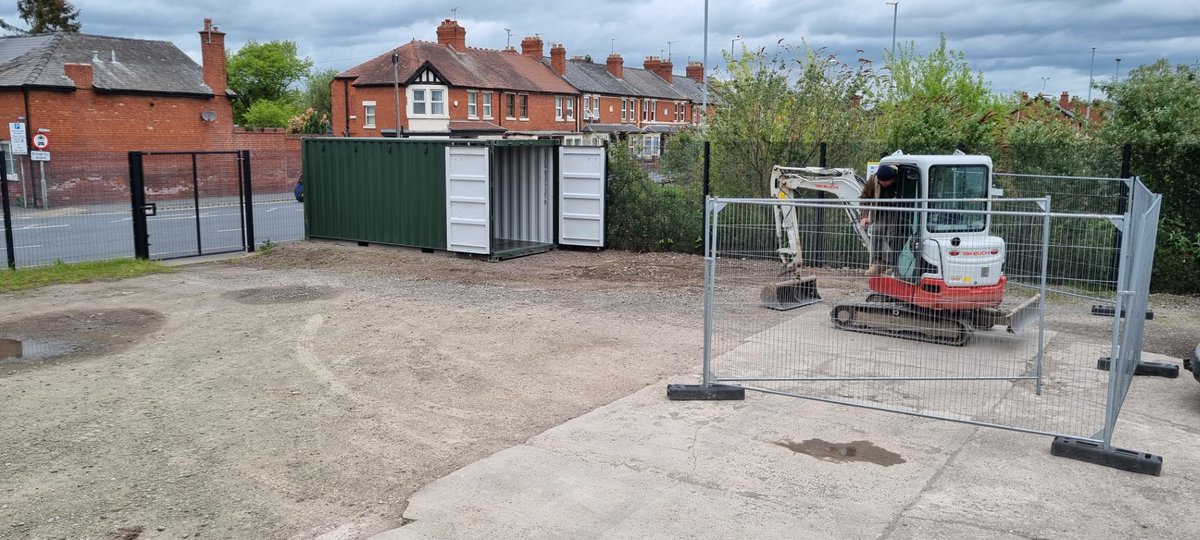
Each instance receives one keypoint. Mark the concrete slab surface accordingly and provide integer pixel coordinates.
(776, 466)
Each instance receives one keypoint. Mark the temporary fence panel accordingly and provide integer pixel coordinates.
(1042, 379)
(581, 196)
(468, 200)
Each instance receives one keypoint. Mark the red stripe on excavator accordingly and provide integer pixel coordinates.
(949, 298)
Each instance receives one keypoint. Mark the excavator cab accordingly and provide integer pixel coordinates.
(947, 269)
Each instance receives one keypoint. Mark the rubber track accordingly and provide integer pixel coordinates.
(917, 323)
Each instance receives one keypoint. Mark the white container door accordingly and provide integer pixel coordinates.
(581, 196)
(468, 205)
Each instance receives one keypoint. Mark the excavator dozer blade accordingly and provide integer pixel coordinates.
(791, 294)
(1023, 315)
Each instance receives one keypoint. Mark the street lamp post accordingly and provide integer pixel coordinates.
(735, 39)
(1117, 77)
(1091, 79)
(895, 7)
(1044, 79)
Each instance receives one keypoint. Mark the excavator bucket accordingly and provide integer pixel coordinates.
(791, 294)
(1023, 315)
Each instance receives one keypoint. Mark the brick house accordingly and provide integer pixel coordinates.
(99, 97)
(640, 106)
(447, 89)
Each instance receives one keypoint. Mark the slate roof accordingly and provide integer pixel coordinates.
(472, 68)
(593, 78)
(141, 66)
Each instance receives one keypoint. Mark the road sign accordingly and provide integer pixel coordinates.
(38, 155)
(41, 141)
(16, 137)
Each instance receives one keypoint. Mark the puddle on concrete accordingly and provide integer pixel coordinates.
(282, 295)
(844, 452)
(32, 350)
(50, 337)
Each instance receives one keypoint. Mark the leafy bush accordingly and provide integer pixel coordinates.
(647, 216)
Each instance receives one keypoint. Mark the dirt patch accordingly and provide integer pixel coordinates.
(73, 334)
(312, 390)
(282, 295)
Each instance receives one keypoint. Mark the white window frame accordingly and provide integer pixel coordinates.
(587, 104)
(624, 116)
(596, 108)
(570, 107)
(368, 114)
(558, 107)
(426, 96)
(487, 105)
(651, 145)
(472, 104)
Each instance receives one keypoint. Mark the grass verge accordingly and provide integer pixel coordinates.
(32, 278)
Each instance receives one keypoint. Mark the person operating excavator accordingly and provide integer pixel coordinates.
(885, 228)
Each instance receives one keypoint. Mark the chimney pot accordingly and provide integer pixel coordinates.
(558, 59)
(212, 57)
(616, 65)
(532, 47)
(452, 35)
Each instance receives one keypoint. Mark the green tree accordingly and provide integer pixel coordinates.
(44, 16)
(936, 103)
(1156, 110)
(775, 111)
(270, 113)
(266, 71)
(317, 91)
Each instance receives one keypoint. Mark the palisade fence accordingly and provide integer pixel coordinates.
(77, 207)
(1042, 379)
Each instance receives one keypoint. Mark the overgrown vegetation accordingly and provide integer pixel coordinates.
(778, 109)
(32, 278)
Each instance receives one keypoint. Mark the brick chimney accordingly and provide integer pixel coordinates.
(452, 35)
(664, 70)
(856, 101)
(616, 65)
(695, 71)
(212, 55)
(558, 59)
(1064, 101)
(532, 47)
(82, 74)
(658, 66)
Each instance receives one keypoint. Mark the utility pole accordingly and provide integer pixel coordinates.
(895, 7)
(1091, 72)
(396, 87)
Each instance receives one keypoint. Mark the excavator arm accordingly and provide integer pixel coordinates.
(788, 183)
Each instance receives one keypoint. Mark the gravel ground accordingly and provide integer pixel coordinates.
(311, 390)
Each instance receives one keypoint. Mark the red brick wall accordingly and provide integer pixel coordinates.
(92, 133)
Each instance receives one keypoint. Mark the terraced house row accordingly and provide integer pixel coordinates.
(447, 89)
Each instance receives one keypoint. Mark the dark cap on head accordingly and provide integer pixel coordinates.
(887, 172)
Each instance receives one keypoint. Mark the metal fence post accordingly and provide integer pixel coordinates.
(137, 198)
(9, 249)
(248, 194)
(819, 240)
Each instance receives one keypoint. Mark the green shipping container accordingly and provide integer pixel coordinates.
(501, 198)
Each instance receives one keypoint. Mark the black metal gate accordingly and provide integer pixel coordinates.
(187, 204)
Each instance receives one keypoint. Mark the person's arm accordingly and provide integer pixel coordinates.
(868, 192)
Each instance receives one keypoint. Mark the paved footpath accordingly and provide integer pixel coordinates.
(779, 467)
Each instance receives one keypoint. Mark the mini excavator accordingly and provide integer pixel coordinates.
(947, 280)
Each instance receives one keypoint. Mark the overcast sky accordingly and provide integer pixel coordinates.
(1016, 44)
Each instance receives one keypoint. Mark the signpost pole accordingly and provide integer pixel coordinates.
(45, 196)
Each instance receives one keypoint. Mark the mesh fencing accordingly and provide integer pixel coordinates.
(77, 207)
(859, 346)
